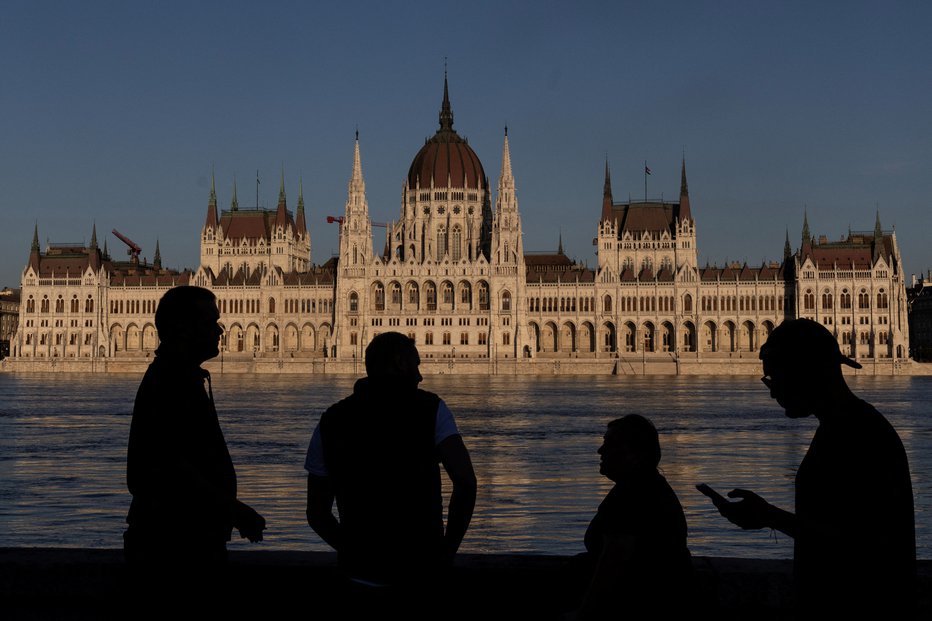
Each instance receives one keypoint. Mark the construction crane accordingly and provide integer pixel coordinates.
(133, 249)
(340, 219)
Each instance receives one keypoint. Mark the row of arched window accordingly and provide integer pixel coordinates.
(45, 304)
(845, 299)
(461, 296)
(738, 303)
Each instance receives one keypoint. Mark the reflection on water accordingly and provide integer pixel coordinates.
(533, 442)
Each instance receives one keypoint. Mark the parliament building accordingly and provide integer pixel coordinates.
(454, 275)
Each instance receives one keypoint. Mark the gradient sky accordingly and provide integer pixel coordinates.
(116, 112)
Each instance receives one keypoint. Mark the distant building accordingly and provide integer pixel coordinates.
(920, 318)
(9, 318)
(454, 275)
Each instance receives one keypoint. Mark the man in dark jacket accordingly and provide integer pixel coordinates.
(377, 453)
(178, 468)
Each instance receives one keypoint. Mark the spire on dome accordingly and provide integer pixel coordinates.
(446, 111)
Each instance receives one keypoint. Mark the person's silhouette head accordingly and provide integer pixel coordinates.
(630, 446)
(802, 365)
(186, 320)
(392, 357)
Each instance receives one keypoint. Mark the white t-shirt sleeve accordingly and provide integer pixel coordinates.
(314, 462)
(445, 426)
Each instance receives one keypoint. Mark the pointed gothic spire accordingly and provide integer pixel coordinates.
(878, 238)
(106, 253)
(281, 213)
(34, 250)
(93, 245)
(157, 259)
(878, 231)
(356, 192)
(301, 223)
(607, 194)
(212, 220)
(234, 202)
(787, 250)
(807, 236)
(685, 211)
(446, 112)
(560, 244)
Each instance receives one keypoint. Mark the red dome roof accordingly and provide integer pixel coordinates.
(446, 156)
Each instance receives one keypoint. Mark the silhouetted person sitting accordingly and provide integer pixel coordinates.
(377, 453)
(638, 537)
(178, 468)
(855, 544)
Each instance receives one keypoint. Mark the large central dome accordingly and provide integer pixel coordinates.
(446, 159)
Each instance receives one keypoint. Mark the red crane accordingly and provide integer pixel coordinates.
(133, 249)
(340, 219)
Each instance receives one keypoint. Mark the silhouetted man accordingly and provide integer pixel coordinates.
(377, 453)
(855, 543)
(178, 468)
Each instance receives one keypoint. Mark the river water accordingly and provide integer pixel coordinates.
(533, 442)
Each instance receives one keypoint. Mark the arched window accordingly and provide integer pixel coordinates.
(864, 299)
(431, 293)
(353, 302)
(379, 297)
(809, 300)
(457, 250)
(60, 305)
(882, 301)
(74, 304)
(441, 241)
(506, 301)
(483, 296)
(826, 300)
(396, 294)
(447, 290)
(607, 303)
(687, 303)
(45, 304)
(271, 305)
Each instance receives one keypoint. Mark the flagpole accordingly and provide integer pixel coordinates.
(257, 188)
(645, 181)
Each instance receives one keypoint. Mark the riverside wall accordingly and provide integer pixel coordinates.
(745, 363)
(75, 583)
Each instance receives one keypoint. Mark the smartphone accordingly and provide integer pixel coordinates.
(717, 499)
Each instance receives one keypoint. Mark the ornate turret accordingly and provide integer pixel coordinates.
(212, 220)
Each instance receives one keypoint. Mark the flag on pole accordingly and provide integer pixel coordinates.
(646, 170)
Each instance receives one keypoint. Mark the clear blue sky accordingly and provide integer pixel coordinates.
(115, 112)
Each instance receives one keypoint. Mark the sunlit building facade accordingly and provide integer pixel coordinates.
(454, 275)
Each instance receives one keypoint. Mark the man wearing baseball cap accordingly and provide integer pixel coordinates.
(853, 526)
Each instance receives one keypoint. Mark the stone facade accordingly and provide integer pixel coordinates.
(454, 275)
